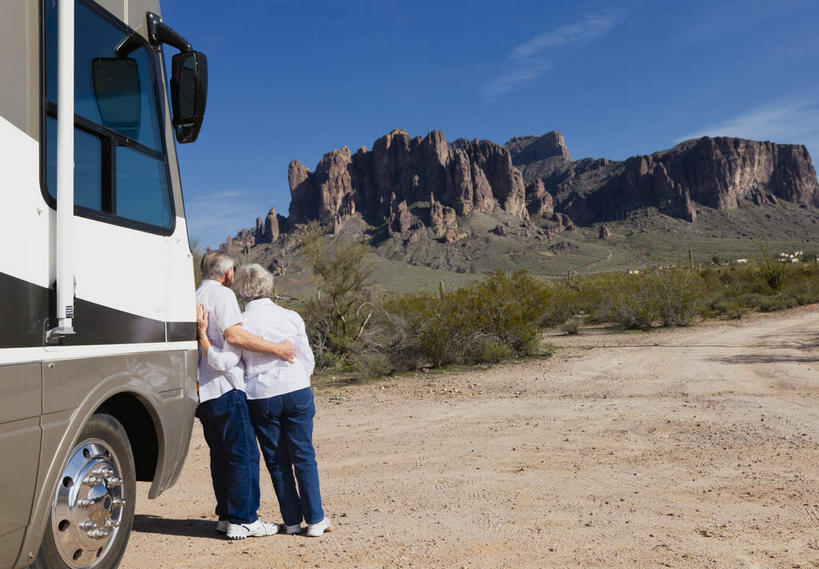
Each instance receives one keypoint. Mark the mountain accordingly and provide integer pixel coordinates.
(452, 206)
(721, 173)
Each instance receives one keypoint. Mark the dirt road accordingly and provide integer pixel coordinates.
(694, 447)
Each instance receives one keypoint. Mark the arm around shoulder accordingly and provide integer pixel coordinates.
(242, 339)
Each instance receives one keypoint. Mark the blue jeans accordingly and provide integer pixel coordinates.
(284, 428)
(234, 457)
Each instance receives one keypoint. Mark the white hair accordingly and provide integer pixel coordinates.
(216, 264)
(253, 281)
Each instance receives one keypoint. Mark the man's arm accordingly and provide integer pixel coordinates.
(220, 360)
(245, 340)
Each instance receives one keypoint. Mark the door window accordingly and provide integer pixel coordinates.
(120, 173)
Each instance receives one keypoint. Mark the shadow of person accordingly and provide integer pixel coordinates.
(168, 526)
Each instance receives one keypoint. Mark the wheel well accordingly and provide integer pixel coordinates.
(139, 426)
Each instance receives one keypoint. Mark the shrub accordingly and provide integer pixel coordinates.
(485, 349)
(572, 325)
(635, 303)
(494, 318)
(337, 313)
(679, 295)
(730, 308)
(510, 309)
(772, 268)
(372, 364)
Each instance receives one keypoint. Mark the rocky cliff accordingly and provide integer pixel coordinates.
(721, 173)
(401, 171)
(408, 183)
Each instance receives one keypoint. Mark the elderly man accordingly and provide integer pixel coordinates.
(223, 411)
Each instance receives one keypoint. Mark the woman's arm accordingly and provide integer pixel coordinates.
(202, 328)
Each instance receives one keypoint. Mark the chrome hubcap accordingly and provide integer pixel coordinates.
(89, 504)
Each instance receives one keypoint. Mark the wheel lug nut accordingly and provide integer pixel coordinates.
(117, 503)
(113, 481)
(88, 525)
(99, 533)
(85, 502)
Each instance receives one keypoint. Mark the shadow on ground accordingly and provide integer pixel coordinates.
(168, 526)
(750, 359)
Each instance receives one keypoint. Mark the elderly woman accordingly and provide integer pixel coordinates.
(279, 398)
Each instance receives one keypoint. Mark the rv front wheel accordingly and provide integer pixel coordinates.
(93, 506)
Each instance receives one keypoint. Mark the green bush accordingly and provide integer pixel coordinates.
(510, 309)
(336, 315)
(501, 317)
(772, 268)
(572, 325)
(372, 364)
(731, 308)
(679, 296)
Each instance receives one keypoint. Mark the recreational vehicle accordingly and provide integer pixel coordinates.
(97, 309)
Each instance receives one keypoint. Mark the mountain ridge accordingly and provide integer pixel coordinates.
(412, 186)
(439, 212)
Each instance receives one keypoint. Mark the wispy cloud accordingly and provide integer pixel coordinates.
(789, 121)
(534, 57)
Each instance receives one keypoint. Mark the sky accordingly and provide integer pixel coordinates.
(294, 79)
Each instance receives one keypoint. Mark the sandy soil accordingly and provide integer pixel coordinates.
(693, 447)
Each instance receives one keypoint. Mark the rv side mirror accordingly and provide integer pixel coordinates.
(189, 93)
(116, 89)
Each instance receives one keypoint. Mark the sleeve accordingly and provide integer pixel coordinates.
(303, 351)
(226, 311)
(225, 358)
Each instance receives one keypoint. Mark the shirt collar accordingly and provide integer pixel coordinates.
(259, 302)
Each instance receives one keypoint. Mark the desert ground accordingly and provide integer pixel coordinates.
(687, 448)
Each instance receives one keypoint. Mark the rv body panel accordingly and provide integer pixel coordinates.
(78, 386)
(135, 303)
(20, 409)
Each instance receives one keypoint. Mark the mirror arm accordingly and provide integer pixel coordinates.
(159, 33)
(128, 45)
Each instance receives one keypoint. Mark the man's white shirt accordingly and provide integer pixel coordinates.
(265, 374)
(223, 312)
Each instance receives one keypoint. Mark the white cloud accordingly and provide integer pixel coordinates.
(534, 57)
(787, 121)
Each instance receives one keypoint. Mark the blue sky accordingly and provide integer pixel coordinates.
(294, 79)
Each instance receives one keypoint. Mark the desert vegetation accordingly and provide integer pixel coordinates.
(354, 328)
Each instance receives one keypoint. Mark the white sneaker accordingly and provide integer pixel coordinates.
(292, 529)
(221, 526)
(255, 529)
(318, 529)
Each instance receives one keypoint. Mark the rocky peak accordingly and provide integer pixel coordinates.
(539, 202)
(528, 149)
(332, 182)
(303, 207)
(463, 176)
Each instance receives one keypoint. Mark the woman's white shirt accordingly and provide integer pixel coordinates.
(266, 375)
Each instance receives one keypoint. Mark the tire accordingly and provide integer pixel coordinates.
(93, 506)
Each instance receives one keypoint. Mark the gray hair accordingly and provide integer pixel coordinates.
(253, 281)
(216, 264)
